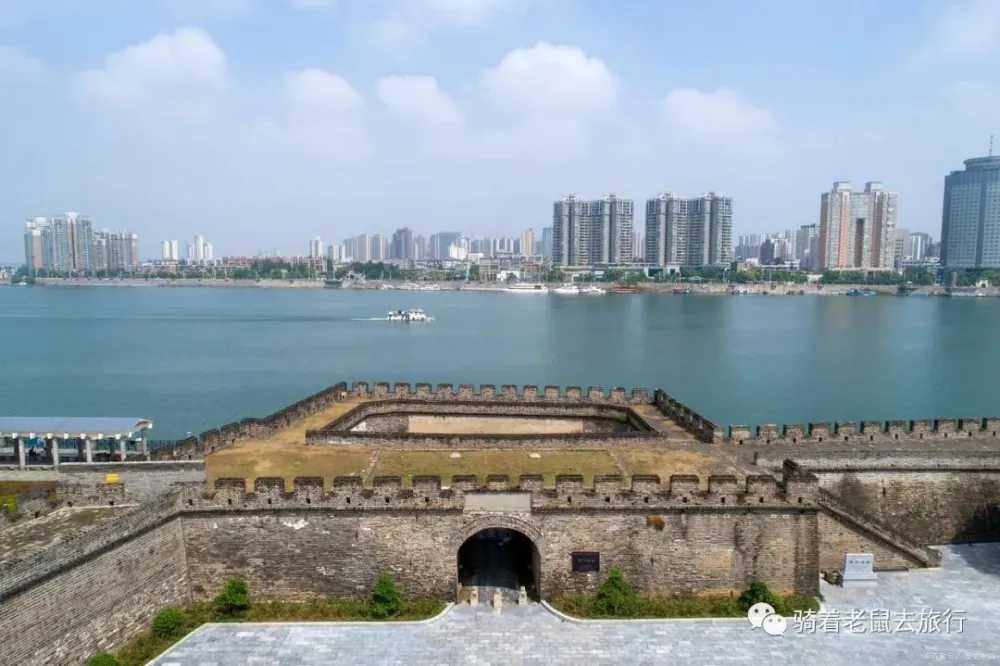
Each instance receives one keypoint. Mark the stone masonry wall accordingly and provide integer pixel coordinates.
(496, 408)
(710, 541)
(929, 497)
(866, 432)
(98, 603)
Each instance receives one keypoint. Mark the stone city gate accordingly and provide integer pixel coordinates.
(498, 553)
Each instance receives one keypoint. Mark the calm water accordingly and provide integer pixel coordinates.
(192, 359)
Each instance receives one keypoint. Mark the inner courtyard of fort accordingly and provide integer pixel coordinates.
(473, 495)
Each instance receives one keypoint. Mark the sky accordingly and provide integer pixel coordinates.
(263, 123)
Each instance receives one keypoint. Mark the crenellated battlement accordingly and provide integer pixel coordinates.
(506, 392)
(569, 491)
(866, 431)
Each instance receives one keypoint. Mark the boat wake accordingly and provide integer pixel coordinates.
(367, 318)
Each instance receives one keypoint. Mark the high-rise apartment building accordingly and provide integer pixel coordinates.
(920, 244)
(169, 250)
(585, 233)
(527, 243)
(66, 243)
(900, 247)
(114, 250)
(546, 244)
(438, 244)
(419, 248)
(857, 229)
(378, 247)
(970, 219)
(689, 232)
(401, 246)
(335, 254)
(34, 256)
(316, 248)
(806, 246)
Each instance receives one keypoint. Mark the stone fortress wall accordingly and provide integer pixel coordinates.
(508, 397)
(811, 503)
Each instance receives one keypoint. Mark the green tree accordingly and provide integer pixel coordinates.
(234, 598)
(616, 597)
(168, 623)
(385, 600)
(759, 592)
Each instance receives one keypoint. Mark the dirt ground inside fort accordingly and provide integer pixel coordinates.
(285, 455)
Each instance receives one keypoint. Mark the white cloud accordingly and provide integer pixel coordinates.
(968, 29)
(211, 7)
(180, 73)
(418, 96)
(547, 78)
(409, 21)
(720, 114)
(17, 65)
(317, 93)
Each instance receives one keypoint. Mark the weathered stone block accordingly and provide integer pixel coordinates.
(574, 393)
(683, 487)
(618, 395)
(608, 484)
(646, 484)
(567, 484)
(509, 391)
(595, 393)
(497, 482)
(552, 393)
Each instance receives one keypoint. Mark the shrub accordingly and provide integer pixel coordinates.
(102, 659)
(234, 597)
(616, 596)
(386, 599)
(656, 522)
(759, 592)
(168, 623)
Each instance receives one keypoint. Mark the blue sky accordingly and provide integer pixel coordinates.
(263, 123)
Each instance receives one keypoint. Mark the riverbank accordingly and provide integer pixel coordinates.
(159, 282)
(717, 289)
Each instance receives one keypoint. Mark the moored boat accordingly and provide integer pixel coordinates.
(567, 289)
(527, 288)
(592, 289)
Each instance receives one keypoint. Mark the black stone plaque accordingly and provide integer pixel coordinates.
(586, 562)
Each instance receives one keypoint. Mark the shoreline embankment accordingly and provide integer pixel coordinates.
(768, 288)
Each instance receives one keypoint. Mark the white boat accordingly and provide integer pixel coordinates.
(409, 286)
(408, 316)
(430, 287)
(527, 288)
(386, 287)
(592, 289)
(567, 289)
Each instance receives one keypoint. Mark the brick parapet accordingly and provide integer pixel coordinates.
(193, 448)
(500, 407)
(693, 422)
(431, 442)
(430, 493)
(490, 392)
(866, 432)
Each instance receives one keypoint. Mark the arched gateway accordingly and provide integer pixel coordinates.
(499, 553)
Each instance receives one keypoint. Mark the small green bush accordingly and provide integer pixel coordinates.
(168, 623)
(759, 592)
(385, 600)
(616, 596)
(102, 659)
(234, 598)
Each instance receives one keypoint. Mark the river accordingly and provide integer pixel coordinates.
(192, 359)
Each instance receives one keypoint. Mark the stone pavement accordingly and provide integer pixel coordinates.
(969, 581)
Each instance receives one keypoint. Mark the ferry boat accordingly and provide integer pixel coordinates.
(592, 289)
(407, 316)
(527, 288)
(567, 289)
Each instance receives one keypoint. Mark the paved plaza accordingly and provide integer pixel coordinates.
(960, 623)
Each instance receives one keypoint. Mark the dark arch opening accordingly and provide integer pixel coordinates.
(499, 558)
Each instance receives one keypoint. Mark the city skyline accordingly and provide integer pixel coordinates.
(182, 116)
